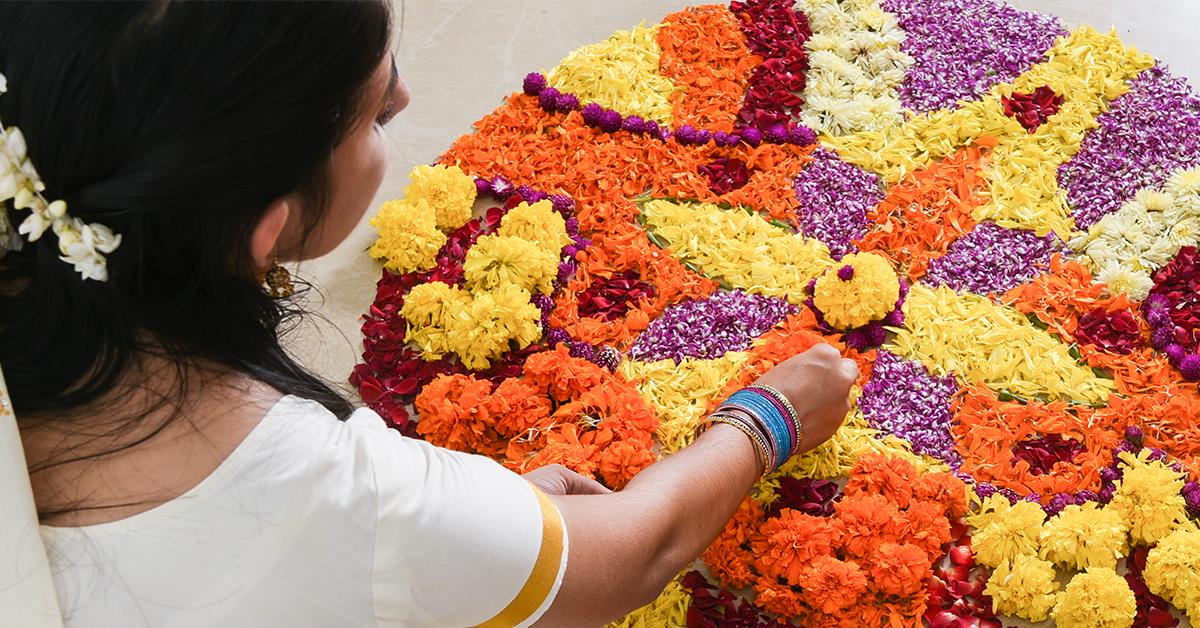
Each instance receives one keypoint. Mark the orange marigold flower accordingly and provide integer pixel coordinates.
(866, 522)
(831, 585)
(730, 563)
(899, 569)
(881, 474)
(620, 461)
(790, 542)
(944, 489)
(561, 376)
(517, 409)
(563, 447)
(929, 529)
(454, 415)
(779, 599)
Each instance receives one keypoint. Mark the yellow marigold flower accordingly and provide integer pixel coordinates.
(1024, 586)
(992, 507)
(482, 329)
(1173, 568)
(859, 289)
(428, 308)
(1099, 597)
(1085, 536)
(408, 236)
(1014, 533)
(497, 260)
(1149, 499)
(539, 224)
(449, 191)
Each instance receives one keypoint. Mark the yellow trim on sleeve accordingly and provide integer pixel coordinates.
(545, 571)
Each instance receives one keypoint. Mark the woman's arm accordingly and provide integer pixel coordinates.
(626, 546)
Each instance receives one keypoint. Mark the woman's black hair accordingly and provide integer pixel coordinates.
(176, 124)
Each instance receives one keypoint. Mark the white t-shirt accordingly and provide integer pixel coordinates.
(316, 522)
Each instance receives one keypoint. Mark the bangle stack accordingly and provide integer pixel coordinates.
(768, 418)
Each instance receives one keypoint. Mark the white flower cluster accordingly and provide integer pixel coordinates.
(82, 245)
(1125, 247)
(855, 65)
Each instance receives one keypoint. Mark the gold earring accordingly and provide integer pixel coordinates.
(279, 280)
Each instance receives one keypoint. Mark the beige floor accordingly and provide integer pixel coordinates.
(462, 57)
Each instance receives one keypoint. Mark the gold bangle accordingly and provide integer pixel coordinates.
(755, 438)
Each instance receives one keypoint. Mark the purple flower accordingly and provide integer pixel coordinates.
(610, 121)
(963, 47)
(1146, 134)
(502, 188)
(703, 136)
(991, 258)
(556, 336)
(802, 136)
(634, 124)
(834, 199)
(581, 350)
(548, 99)
(483, 187)
(534, 83)
(686, 134)
(1135, 436)
(565, 205)
(566, 102)
(806, 495)
(846, 273)
(530, 195)
(904, 400)
(777, 134)
(752, 136)
(591, 114)
(708, 328)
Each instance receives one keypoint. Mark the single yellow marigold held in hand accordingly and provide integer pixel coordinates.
(857, 290)
(449, 191)
(408, 236)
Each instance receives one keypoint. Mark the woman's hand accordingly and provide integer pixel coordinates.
(817, 382)
(555, 479)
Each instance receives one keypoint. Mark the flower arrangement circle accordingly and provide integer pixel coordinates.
(1003, 237)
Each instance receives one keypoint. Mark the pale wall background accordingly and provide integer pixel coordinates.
(462, 57)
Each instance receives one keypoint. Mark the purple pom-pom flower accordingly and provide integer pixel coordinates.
(751, 136)
(534, 83)
(548, 99)
(591, 114)
(610, 121)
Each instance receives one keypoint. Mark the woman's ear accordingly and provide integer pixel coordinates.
(265, 239)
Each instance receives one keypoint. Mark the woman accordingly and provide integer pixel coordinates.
(186, 471)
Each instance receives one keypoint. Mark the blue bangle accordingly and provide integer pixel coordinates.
(769, 415)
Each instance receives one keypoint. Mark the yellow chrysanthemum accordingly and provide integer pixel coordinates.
(1097, 598)
(449, 191)
(497, 260)
(1173, 568)
(1024, 586)
(408, 236)
(1148, 498)
(428, 308)
(484, 327)
(1085, 536)
(864, 293)
(539, 224)
(1015, 533)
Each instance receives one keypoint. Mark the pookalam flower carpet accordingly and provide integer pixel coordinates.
(996, 217)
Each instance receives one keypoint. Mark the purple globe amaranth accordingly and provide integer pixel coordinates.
(802, 136)
(1189, 367)
(1175, 354)
(542, 302)
(846, 273)
(985, 490)
(610, 121)
(1085, 496)
(530, 195)
(751, 136)
(1135, 436)
(1106, 494)
(607, 357)
(703, 136)
(572, 226)
(567, 102)
(548, 99)
(556, 336)
(591, 114)
(686, 134)
(1192, 502)
(1012, 496)
(1162, 337)
(534, 83)
(483, 187)
(777, 134)
(581, 350)
(502, 188)
(733, 139)
(1109, 475)
(634, 124)
(720, 138)
(895, 318)
(564, 205)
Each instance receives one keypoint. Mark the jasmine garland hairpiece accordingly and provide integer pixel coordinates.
(82, 245)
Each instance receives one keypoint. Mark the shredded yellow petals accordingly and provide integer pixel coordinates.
(979, 341)
(1148, 498)
(680, 392)
(668, 611)
(428, 308)
(1125, 247)
(744, 250)
(1086, 68)
(537, 223)
(448, 190)
(1015, 532)
(620, 73)
(1097, 598)
(835, 457)
(1085, 536)
(481, 329)
(1024, 586)
(496, 260)
(869, 295)
(408, 236)
(1173, 569)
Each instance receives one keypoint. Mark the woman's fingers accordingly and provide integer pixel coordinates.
(556, 479)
